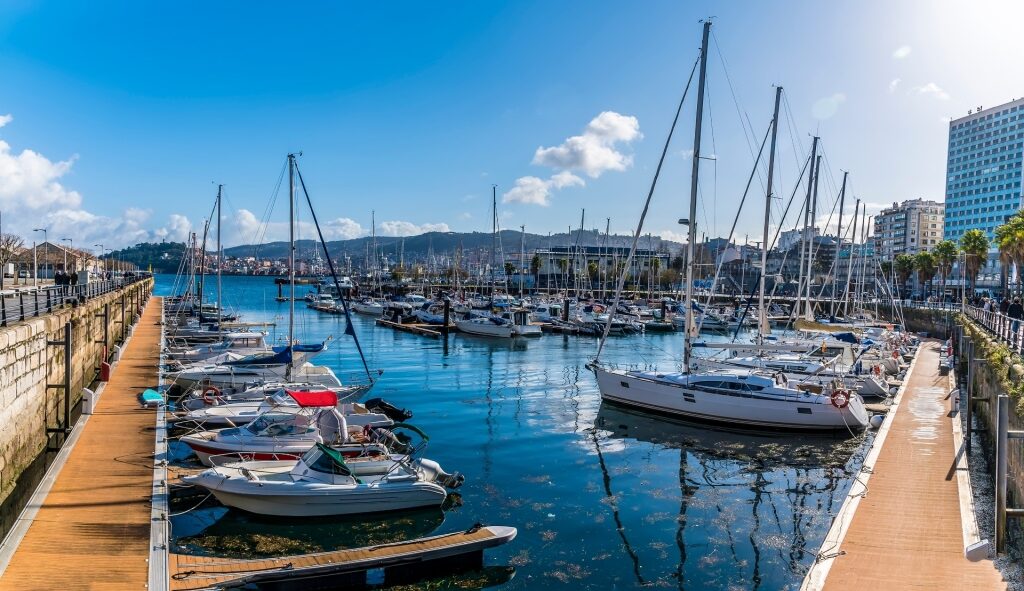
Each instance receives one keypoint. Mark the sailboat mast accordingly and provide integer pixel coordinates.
(865, 232)
(849, 267)
(291, 257)
(810, 242)
(839, 242)
(762, 320)
(522, 256)
(807, 214)
(688, 302)
(220, 264)
(494, 235)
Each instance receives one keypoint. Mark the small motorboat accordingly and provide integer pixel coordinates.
(234, 415)
(323, 483)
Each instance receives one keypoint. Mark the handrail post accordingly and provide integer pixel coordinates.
(969, 427)
(1003, 427)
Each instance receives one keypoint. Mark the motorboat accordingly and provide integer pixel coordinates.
(737, 398)
(241, 343)
(241, 413)
(485, 326)
(368, 307)
(286, 363)
(203, 396)
(323, 482)
(430, 313)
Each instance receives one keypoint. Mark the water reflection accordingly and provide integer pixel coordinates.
(788, 481)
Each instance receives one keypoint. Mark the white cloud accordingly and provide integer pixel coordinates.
(932, 89)
(894, 84)
(901, 52)
(400, 228)
(5, 119)
(826, 107)
(465, 215)
(673, 235)
(343, 229)
(596, 151)
(536, 191)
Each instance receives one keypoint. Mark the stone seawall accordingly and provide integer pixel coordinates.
(31, 368)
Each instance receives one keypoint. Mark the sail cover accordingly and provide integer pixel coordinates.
(320, 398)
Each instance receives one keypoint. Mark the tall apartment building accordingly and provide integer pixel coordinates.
(983, 169)
(908, 228)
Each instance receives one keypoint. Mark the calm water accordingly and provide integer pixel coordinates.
(603, 498)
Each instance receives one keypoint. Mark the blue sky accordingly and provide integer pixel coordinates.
(123, 115)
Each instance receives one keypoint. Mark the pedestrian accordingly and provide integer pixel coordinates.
(74, 279)
(1016, 312)
(1004, 305)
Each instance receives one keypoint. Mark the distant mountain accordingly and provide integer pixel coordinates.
(446, 243)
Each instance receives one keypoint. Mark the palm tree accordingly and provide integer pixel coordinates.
(974, 245)
(924, 264)
(945, 255)
(904, 266)
(1009, 238)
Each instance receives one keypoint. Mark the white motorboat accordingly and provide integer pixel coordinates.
(738, 398)
(237, 343)
(202, 397)
(324, 483)
(521, 325)
(284, 364)
(485, 326)
(368, 307)
(241, 413)
(430, 313)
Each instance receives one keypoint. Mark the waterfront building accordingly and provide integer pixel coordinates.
(790, 238)
(559, 265)
(910, 227)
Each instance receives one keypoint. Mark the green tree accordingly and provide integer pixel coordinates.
(903, 264)
(945, 254)
(592, 270)
(510, 269)
(1009, 239)
(974, 245)
(924, 264)
(535, 264)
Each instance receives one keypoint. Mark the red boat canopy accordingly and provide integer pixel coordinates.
(321, 398)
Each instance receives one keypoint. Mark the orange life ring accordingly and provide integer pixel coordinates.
(896, 355)
(840, 398)
(211, 394)
(877, 369)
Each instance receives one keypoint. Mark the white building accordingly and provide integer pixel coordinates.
(910, 227)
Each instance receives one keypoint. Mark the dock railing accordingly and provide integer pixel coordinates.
(29, 303)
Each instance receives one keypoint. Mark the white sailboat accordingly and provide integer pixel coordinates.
(738, 397)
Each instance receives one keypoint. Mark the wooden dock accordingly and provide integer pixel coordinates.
(92, 529)
(424, 330)
(905, 528)
(343, 567)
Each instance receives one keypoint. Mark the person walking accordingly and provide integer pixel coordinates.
(1004, 305)
(1015, 312)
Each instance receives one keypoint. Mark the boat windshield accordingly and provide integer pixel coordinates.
(264, 421)
(326, 460)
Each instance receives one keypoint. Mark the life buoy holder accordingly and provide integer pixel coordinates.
(211, 394)
(840, 398)
(896, 355)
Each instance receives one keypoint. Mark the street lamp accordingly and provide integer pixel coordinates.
(71, 244)
(45, 252)
(102, 262)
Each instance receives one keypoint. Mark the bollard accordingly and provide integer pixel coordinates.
(565, 310)
(88, 401)
(447, 315)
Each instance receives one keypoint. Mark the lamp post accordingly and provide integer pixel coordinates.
(102, 262)
(71, 244)
(45, 252)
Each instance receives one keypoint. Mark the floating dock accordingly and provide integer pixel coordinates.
(400, 562)
(88, 525)
(426, 330)
(908, 518)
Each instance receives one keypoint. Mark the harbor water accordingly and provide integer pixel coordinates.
(603, 498)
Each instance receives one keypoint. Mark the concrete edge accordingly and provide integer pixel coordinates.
(14, 537)
(160, 529)
(817, 574)
(965, 491)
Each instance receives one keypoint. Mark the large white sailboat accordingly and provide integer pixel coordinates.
(736, 397)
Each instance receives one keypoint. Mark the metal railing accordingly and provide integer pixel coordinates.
(1007, 330)
(29, 303)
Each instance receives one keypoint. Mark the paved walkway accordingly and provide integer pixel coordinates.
(906, 533)
(92, 531)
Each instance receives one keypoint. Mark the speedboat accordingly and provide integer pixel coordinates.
(232, 415)
(237, 343)
(737, 398)
(368, 307)
(485, 326)
(323, 482)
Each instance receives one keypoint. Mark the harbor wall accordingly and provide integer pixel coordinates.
(32, 373)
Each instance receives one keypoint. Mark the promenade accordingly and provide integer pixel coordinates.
(92, 530)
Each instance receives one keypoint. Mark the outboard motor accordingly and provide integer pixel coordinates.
(431, 471)
(387, 409)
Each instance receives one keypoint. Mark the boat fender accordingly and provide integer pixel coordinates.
(876, 421)
(211, 395)
(840, 398)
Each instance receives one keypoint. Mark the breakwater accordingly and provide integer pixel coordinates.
(46, 362)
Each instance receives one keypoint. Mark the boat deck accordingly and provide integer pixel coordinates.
(92, 529)
(200, 572)
(907, 532)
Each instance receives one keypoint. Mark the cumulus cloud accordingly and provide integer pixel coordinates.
(400, 228)
(596, 150)
(343, 229)
(245, 228)
(673, 235)
(537, 191)
(5, 119)
(901, 52)
(894, 84)
(932, 89)
(826, 107)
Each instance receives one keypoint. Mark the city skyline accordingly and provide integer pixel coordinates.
(413, 112)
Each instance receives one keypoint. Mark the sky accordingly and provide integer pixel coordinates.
(119, 119)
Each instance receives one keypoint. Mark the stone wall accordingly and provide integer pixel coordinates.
(29, 367)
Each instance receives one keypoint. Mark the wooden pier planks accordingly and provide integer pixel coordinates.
(92, 531)
(906, 533)
(189, 573)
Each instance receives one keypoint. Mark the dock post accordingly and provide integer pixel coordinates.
(565, 310)
(969, 425)
(447, 315)
(1003, 426)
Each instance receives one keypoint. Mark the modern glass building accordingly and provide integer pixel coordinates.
(983, 169)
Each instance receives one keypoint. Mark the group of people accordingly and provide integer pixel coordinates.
(65, 279)
(1012, 308)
